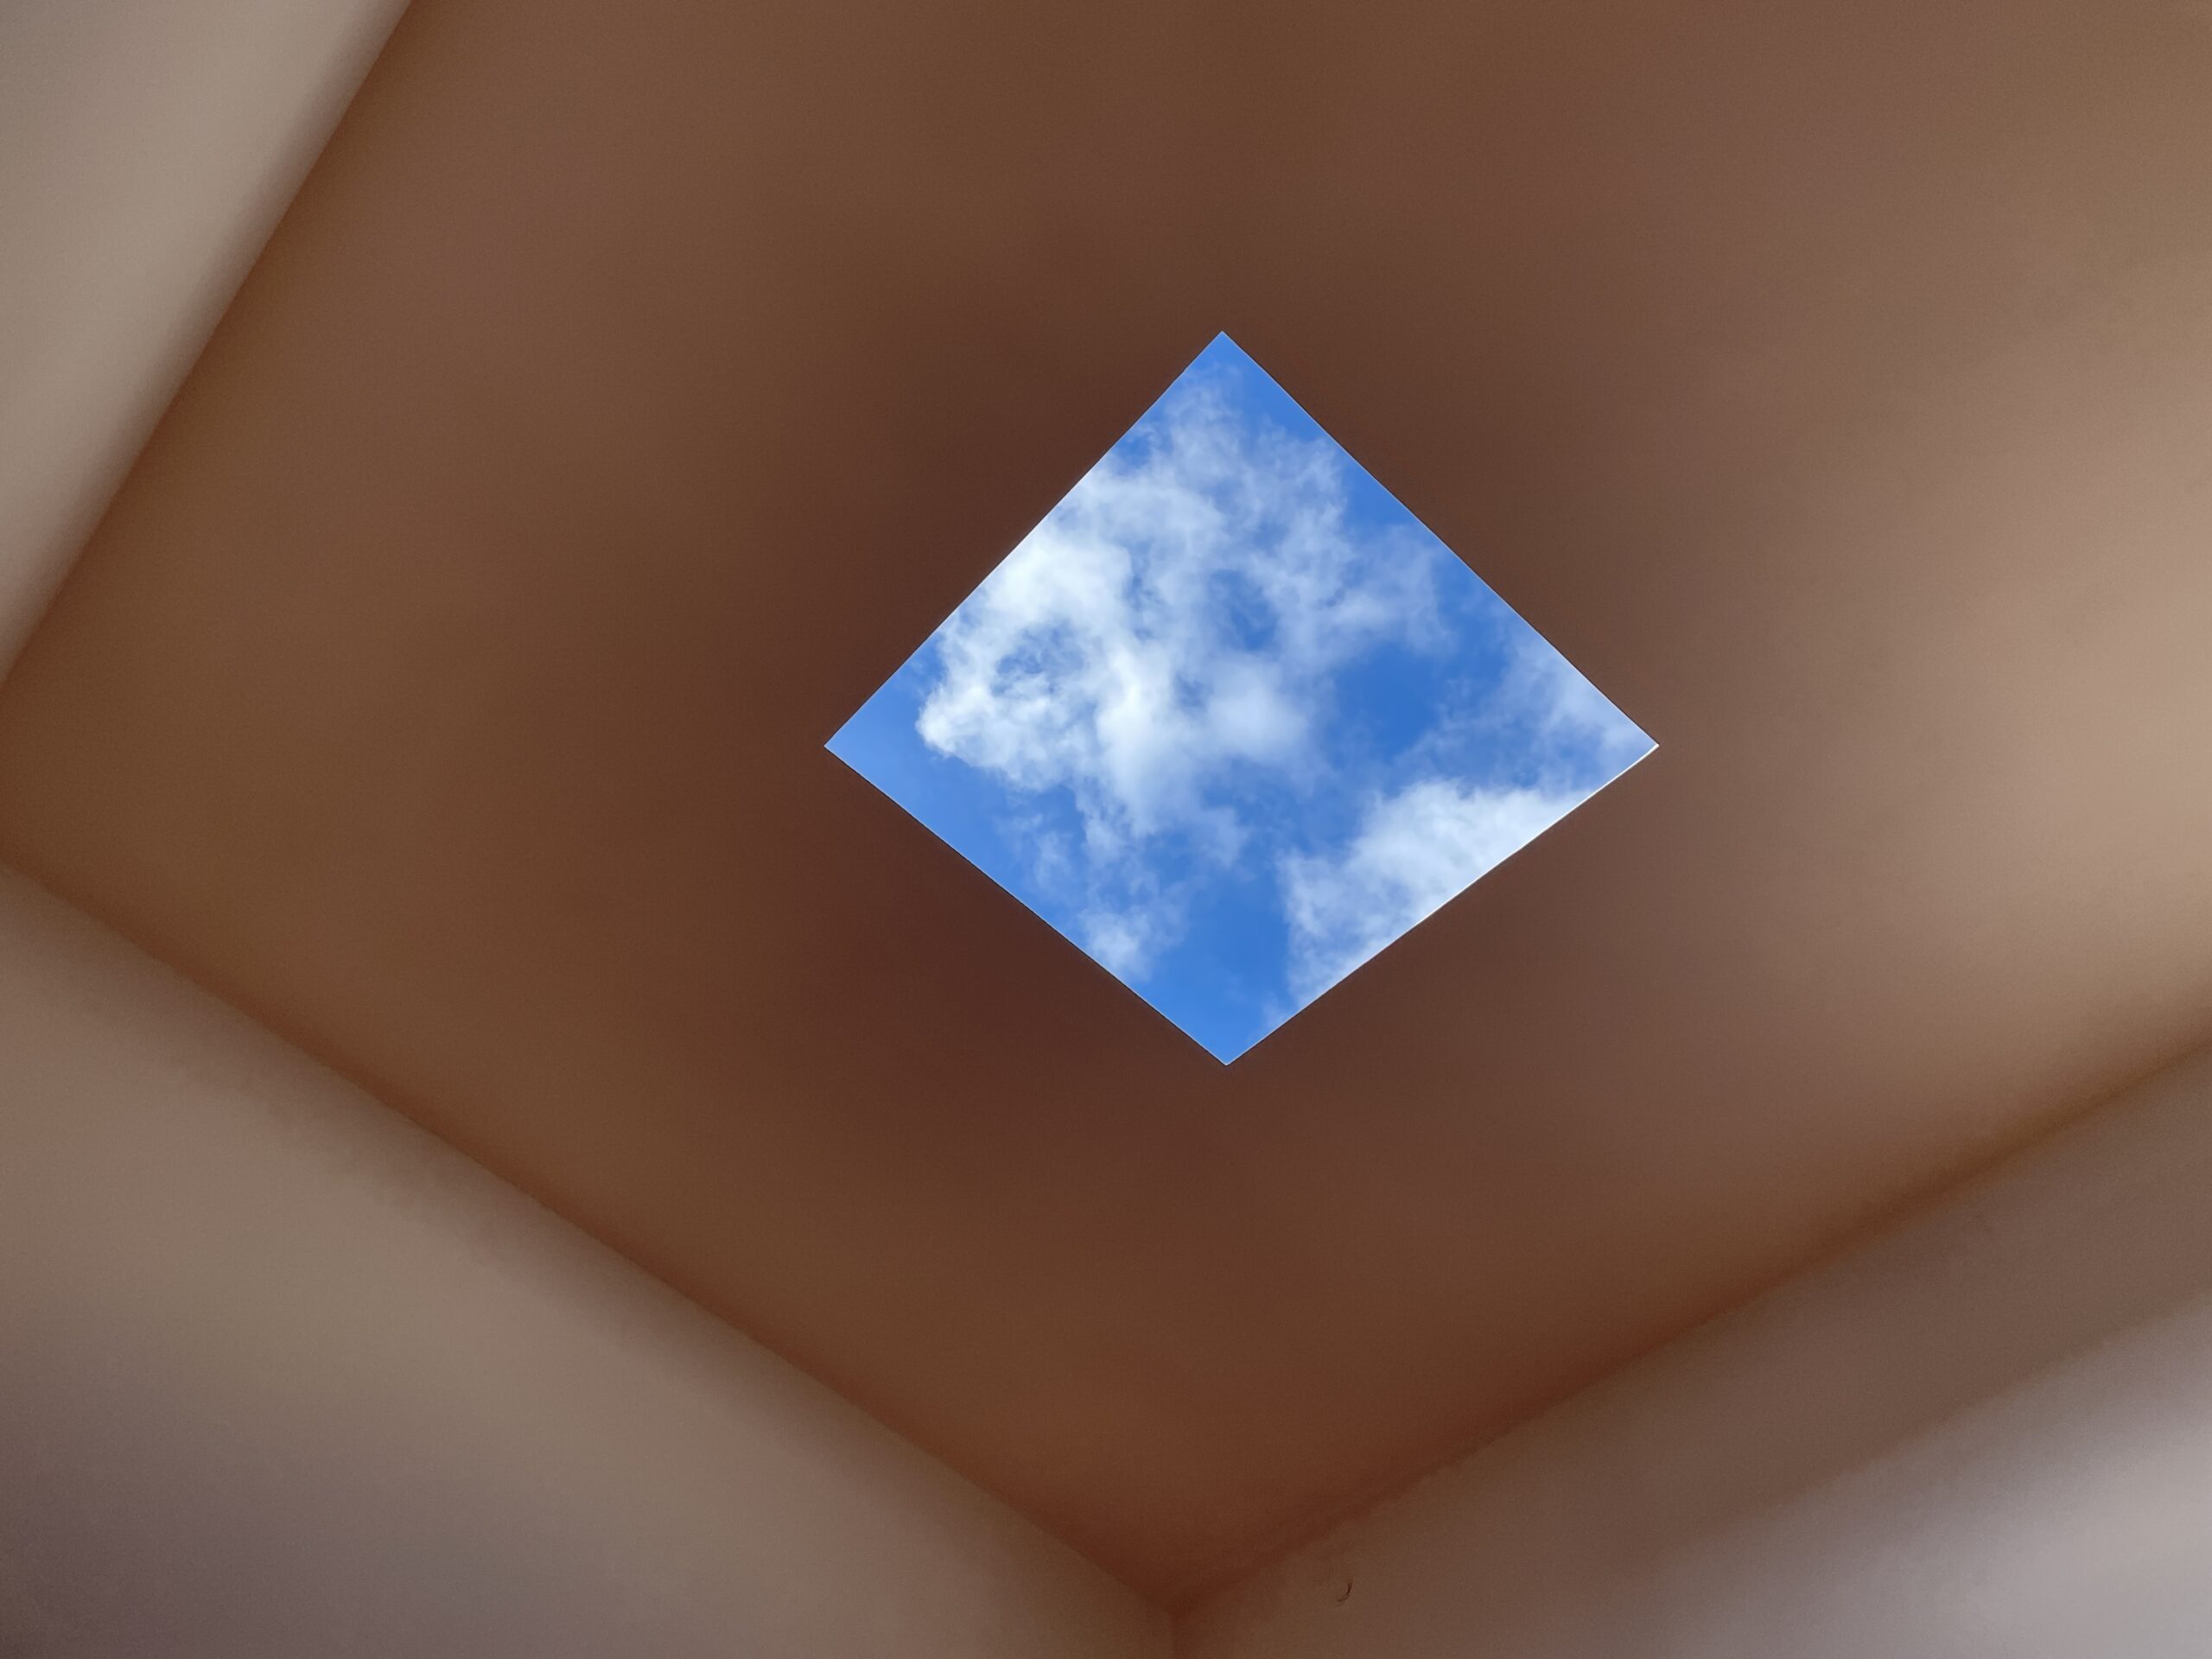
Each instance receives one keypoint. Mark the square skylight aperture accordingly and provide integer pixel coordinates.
(1231, 718)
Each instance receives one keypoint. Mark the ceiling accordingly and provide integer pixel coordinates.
(146, 149)
(630, 389)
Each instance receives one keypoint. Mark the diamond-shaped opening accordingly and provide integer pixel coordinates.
(1231, 718)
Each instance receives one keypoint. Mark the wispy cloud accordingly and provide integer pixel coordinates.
(1414, 852)
(1170, 629)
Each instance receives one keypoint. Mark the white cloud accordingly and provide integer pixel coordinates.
(1170, 628)
(1567, 710)
(1174, 618)
(1555, 730)
(1413, 851)
(1164, 647)
(1126, 941)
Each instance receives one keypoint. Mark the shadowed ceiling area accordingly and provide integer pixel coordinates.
(630, 389)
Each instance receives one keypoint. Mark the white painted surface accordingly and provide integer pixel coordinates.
(147, 149)
(282, 1374)
(1987, 1433)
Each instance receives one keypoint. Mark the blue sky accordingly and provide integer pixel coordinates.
(1231, 718)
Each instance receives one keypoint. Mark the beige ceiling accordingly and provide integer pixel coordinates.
(147, 148)
(629, 390)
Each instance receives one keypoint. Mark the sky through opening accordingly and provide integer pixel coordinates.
(1231, 718)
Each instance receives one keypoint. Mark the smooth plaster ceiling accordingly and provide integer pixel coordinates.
(629, 388)
(147, 148)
